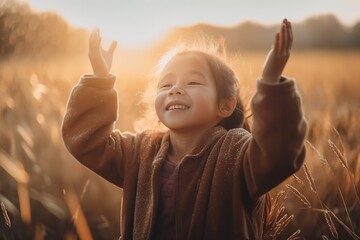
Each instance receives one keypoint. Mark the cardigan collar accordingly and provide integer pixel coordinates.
(206, 141)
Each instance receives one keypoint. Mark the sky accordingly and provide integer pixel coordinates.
(135, 22)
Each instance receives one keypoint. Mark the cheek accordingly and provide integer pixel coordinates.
(207, 100)
(159, 99)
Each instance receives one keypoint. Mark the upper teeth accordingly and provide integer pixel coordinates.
(177, 107)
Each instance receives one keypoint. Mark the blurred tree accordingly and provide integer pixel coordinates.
(24, 33)
(355, 35)
(318, 32)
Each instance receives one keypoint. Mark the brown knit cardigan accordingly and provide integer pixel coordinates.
(221, 186)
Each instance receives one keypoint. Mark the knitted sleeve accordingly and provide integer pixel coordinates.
(88, 129)
(276, 149)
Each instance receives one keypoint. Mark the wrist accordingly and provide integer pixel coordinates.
(91, 80)
(273, 80)
(101, 75)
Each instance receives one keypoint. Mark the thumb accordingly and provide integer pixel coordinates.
(112, 47)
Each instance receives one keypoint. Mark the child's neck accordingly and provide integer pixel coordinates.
(183, 143)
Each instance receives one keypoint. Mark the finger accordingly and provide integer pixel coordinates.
(283, 38)
(277, 43)
(291, 38)
(92, 36)
(112, 47)
(95, 33)
(286, 38)
(94, 40)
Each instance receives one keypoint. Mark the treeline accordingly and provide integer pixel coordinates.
(318, 32)
(26, 34)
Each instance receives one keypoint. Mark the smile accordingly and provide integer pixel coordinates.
(177, 107)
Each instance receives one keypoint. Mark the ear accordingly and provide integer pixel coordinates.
(227, 107)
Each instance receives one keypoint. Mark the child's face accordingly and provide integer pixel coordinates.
(186, 98)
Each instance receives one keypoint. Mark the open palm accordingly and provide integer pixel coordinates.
(279, 54)
(101, 60)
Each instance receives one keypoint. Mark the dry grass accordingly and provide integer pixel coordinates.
(35, 168)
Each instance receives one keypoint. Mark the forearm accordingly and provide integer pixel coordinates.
(279, 129)
(89, 122)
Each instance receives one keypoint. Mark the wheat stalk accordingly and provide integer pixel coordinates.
(298, 179)
(24, 202)
(80, 222)
(309, 178)
(6, 215)
(302, 198)
(282, 223)
(278, 196)
(14, 168)
(294, 235)
(278, 227)
(40, 232)
(277, 221)
(338, 154)
(276, 201)
(81, 198)
(344, 164)
(348, 230)
(338, 135)
(346, 209)
(279, 213)
(320, 156)
(330, 224)
(353, 234)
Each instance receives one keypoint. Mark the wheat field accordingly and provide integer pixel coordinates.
(46, 194)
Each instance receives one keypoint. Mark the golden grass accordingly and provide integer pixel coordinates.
(79, 219)
(299, 195)
(320, 202)
(5, 215)
(309, 178)
(329, 87)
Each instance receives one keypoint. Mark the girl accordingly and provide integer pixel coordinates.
(206, 177)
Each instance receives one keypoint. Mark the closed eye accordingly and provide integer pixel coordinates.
(166, 85)
(194, 83)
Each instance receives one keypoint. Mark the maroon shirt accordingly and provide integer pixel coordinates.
(165, 219)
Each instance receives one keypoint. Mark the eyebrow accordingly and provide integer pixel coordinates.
(166, 76)
(195, 72)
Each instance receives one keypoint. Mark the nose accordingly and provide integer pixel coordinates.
(176, 90)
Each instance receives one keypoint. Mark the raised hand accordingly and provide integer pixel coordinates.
(101, 60)
(279, 54)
